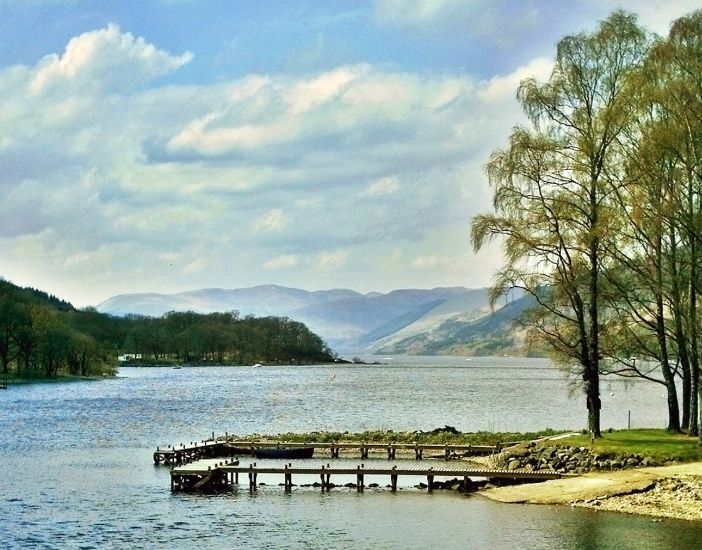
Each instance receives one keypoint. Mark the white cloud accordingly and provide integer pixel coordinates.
(122, 182)
(502, 87)
(331, 261)
(282, 262)
(195, 266)
(104, 58)
(425, 262)
(655, 15)
(273, 220)
(382, 186)
(501, 22)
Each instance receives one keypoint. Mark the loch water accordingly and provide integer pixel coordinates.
(76, 468)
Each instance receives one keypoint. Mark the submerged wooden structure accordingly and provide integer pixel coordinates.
(224, 447)
(224, 475)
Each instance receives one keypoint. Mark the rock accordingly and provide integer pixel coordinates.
(514, 464)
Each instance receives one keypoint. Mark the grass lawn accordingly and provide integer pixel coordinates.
(658, 444)
(474, 438)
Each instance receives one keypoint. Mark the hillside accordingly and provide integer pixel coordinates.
(495, 333)
(416, 321)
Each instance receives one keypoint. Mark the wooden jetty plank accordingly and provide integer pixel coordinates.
(225, 474)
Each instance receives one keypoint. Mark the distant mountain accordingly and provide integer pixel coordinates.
(493, 334)
(415, 321)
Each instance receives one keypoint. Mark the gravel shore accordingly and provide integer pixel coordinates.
(660, 492)
(678, 497)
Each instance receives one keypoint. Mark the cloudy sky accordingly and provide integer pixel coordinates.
(169, 145)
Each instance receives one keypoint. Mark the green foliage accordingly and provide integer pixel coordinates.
(42, 336)
(385, 436)
(221, 338)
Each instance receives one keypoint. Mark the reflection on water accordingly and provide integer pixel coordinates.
(77, 466)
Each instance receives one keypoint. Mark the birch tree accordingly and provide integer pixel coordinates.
(553, 193)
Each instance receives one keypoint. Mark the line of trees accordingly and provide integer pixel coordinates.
(43, 335)
(599, 207)
(223, 338)
(40, 334)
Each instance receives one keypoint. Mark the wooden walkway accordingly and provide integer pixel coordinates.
(183, 453)
(220, 447)
(222, 475)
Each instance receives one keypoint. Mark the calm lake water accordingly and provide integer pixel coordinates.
(77, 470)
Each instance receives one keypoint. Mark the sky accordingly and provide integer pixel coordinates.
(172, 145)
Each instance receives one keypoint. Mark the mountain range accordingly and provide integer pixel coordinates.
(436, 321)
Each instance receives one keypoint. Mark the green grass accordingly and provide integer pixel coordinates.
(658, 444)
(380, 436)
(29, 377)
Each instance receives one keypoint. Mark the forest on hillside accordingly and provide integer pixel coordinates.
(42, 335)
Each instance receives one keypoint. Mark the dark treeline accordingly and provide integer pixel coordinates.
(598, 203)
(41, 335)
(222, 338)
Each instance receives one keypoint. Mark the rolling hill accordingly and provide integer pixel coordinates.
(434, 321)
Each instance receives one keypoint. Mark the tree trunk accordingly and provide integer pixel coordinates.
(594, 404)
(694, 346)
(681, 336)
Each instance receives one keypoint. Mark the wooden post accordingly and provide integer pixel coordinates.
(359, 479)
(447, 452)
(252, 477)
(288, 480)
(393, 480)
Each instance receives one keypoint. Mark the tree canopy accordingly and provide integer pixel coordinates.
(41, 334)
(597, 205)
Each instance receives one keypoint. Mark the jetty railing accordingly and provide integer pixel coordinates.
(222, 476)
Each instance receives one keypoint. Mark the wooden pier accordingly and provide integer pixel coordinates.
(182, 454)
(223, 475)
(223, 447)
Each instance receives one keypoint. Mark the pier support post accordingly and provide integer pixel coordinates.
(252, 477)
(359, 479)
(288, 480)
(391, 451)
(418, 451)
(393, 480)
(430, 482)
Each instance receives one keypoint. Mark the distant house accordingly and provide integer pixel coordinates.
(128, 357)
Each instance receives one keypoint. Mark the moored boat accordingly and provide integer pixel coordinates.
(279, 452)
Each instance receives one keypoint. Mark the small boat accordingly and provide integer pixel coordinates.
(177, 367)
(279, 452)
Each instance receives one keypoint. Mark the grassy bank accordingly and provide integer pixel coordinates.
(658, 444)
(439, 436)
(33, 378)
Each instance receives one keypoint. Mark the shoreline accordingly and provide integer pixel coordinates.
(660, 492)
